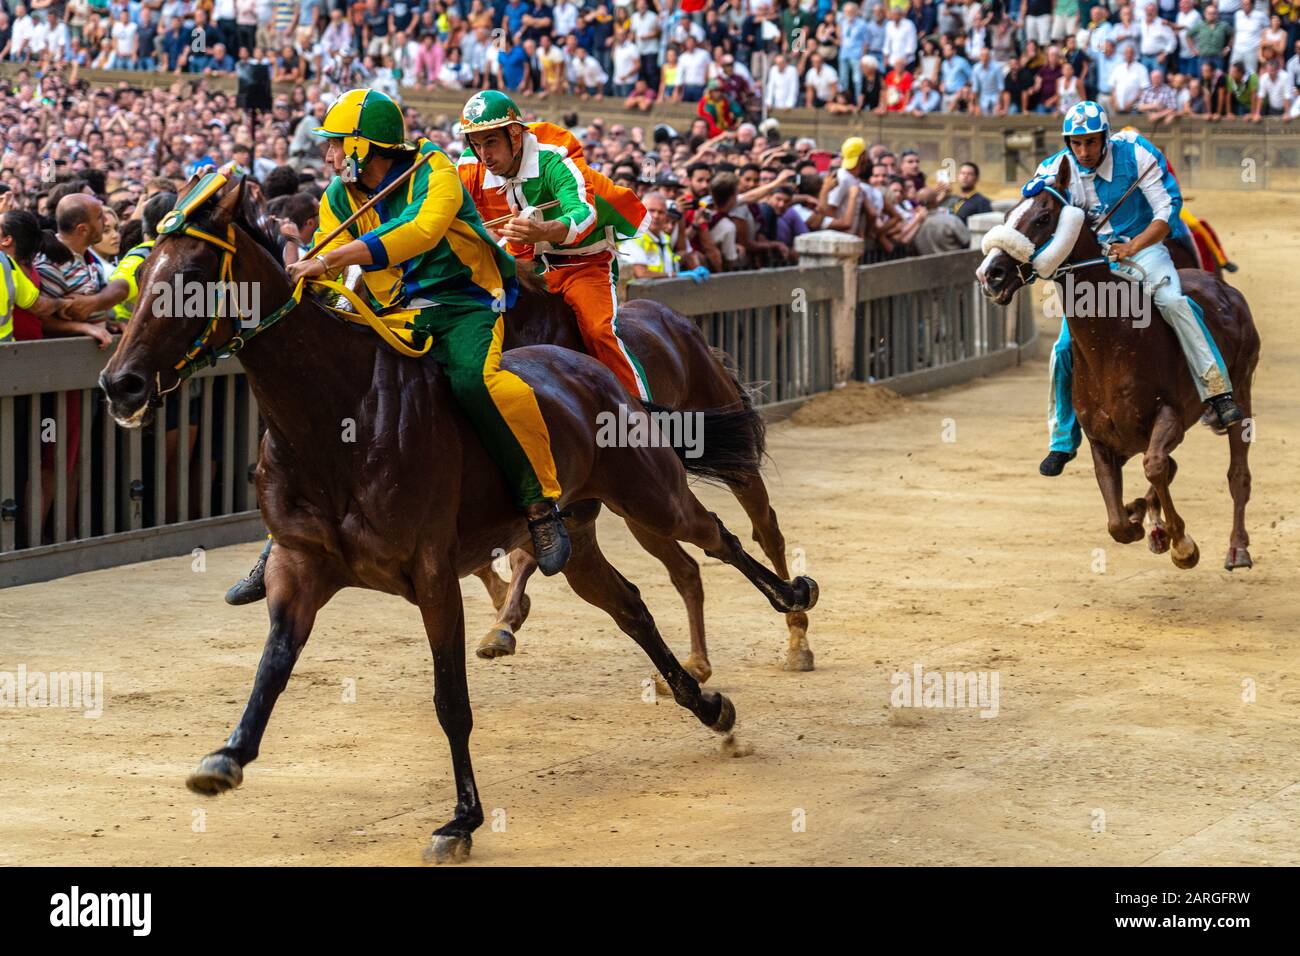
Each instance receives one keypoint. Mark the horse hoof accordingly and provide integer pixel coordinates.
(810, 593)
(798, 659)
(1190, 559)
(217, 773)
(1158, 541)
(448, 848)
(1237, 558)
(498, 642)
(726, 717)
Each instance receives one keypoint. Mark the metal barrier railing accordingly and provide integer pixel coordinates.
(774, 324)
(69, 476)
(78, 493)
(926, 313)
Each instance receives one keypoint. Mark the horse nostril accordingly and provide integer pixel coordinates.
(995, 275)
(128, 388)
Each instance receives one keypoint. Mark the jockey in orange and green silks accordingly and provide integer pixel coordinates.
(511, 169)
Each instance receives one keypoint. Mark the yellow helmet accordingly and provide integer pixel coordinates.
(365, 118)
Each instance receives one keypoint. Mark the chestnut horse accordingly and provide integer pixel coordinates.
(416, 503)
(1133, 392)
(683, 372)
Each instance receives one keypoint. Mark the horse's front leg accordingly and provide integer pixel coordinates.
(296, 590)
(1124, 526)
(444, 622)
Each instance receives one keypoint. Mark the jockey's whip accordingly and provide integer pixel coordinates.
(370, 203)
(502, 220)
(1128, 192)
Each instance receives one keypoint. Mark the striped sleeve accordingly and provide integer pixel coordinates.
(565, 182)
(433, 200)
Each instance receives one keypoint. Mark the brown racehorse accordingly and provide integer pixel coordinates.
(416, 503)
(684, 372)
(1132, 389)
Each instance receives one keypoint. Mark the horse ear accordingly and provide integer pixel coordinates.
(229, 203)
(1063, 174)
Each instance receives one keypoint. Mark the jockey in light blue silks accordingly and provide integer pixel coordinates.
(1103, 168)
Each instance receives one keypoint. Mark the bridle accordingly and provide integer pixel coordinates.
(200, 354)
(1028, 275)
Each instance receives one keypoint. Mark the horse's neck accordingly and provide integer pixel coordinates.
(1089, 332)
(309, 371)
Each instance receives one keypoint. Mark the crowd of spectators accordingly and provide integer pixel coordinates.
(1161, 57)
(728, 200)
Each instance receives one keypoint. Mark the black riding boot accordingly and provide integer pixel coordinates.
(1054, 463)
(1225, 409)
(550, 539)
(252, 586)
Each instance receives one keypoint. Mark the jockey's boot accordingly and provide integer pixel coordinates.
(252, 586)
(1230, 267)
(1225, 408)
(1054, 463)
(550, 539)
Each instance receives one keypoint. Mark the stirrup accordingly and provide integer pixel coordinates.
(1225, 409)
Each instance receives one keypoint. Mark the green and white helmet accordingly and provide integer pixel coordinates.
(489, 109)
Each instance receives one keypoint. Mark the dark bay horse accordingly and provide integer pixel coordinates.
(1133, 392)
(684, 372)
(415, 503)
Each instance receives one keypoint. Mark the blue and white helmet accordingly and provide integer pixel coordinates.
(1084, 119)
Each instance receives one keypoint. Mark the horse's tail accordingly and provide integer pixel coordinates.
(744, 394)
(727, 444)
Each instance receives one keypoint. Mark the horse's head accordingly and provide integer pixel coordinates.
(1036, 237)
(174, 328)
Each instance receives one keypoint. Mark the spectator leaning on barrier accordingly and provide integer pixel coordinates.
(967, 201)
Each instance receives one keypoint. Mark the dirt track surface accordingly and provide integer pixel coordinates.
(1121, 737)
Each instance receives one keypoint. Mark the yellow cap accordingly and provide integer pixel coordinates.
(852, 151)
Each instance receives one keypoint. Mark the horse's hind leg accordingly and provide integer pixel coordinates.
(295, 592)
(1109, 469)
(1165, 436)
(1239, 483)
(499, 641)
(497, 589)
(444, 623)
(753, 498)
(684, 572)
(597, 582)
(1158, 539)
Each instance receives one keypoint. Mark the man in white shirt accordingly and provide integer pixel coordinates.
(125, 37)
(1156, 42)
(564, 18)
(589, 74)
(21, 38)
(900, 38)
(693, 70)
(1129, 79)
(1275, 92)
(1188, 17)
(782, 87)
(646, 32)
(821, 82)
(627, 65)
(1248, 26)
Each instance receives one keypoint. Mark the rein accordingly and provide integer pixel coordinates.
(395, 327)
(1026, 273)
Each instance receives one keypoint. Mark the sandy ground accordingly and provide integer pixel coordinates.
(1121, 737)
